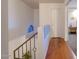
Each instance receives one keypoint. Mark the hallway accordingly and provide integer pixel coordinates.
(58, 49)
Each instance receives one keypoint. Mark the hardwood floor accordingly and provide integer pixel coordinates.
(58, 49)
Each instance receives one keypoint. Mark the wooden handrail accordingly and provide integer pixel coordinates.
(24, 43)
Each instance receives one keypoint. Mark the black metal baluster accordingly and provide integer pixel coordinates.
(14, 55)
(18, 54)
(22, 51)
(30, 47)
(34, 49)
(26, 47)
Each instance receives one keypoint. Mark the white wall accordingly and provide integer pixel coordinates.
(43, 41)
(20, 16)
(36, 18)
(4, 29)
(61, 22)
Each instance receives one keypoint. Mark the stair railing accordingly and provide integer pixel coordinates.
(21, 48)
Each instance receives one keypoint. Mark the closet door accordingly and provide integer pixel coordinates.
(58, 22)
(54, 21)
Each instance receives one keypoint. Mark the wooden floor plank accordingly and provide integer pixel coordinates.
(58, 49)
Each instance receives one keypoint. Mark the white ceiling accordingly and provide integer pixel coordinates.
(35, 3)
